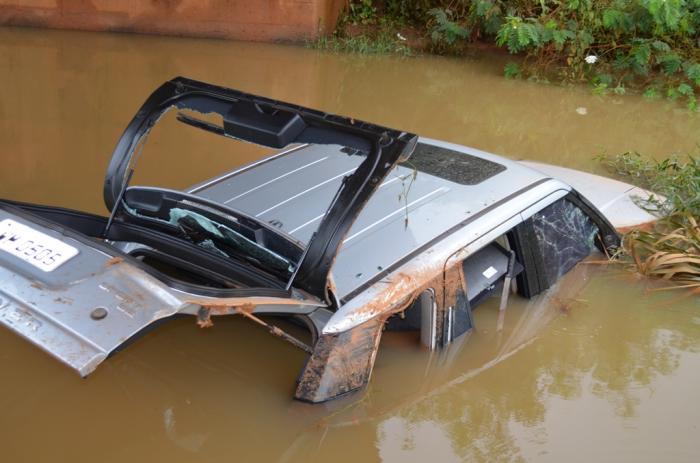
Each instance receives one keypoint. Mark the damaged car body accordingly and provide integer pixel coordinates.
(352, 228)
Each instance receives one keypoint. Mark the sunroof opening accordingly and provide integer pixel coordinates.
(452, 165)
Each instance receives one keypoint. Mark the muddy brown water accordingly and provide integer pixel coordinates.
(600, 369)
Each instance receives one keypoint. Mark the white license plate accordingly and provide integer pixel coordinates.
(32, 246)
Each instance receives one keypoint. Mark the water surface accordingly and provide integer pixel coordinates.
(600, 370)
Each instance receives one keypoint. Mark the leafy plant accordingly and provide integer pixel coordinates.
(512, 70)
(445, 29)
(676, 180)
(383, 42)
(670, 250)
(640, 43)
(362, 12)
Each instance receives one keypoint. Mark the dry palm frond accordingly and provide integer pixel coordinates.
(670, 252)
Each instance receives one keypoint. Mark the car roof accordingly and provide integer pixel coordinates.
(418, 203)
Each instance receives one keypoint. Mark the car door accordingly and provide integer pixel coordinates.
(528, 257)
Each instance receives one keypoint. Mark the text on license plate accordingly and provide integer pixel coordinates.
(32, 246)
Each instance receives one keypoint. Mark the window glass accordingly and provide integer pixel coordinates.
(565, 235)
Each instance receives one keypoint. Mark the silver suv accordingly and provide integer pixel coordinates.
(350, 229)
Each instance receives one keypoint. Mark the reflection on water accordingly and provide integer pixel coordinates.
(591, 378)
(601, 369)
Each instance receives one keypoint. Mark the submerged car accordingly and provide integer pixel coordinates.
(350, 229)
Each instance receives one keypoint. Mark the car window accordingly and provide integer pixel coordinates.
(487, 268)
(520, 263)
(564, 235)
(483, 275)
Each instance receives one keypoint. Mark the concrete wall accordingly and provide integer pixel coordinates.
(258, 20)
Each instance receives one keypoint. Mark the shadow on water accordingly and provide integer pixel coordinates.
(599, 369)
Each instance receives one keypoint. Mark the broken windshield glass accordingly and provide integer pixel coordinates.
(216, 237)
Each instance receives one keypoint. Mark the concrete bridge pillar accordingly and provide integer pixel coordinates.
(256, 20)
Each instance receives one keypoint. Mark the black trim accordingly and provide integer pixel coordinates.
(610, 237)
(531, 282)
(277, 124)
(534, 280)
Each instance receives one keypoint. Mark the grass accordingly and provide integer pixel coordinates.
(677, 179)
(382, 43)
(670, 250)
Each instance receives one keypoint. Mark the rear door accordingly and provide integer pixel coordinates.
(72, 297)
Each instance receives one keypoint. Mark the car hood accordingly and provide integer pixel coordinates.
(617, 201)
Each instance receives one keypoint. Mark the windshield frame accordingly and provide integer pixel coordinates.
(275, 124)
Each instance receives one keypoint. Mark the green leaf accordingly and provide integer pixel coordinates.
(641, 53)
(604, 79)
(446, 30)
(621, 62)
(670, 62)
(613, 19)
(685, 89)
(533, 32)
(506, 33)
(482, 8)
(559, 37)
(600, 89)
(512, 70)
(666, 13)
(693, 104)
(660, 45)
(692, 71)
(651, 93)
(585, 39)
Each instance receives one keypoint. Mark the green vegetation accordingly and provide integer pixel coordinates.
(361, 29)
(380, 42)
(671, 248)
(648, 45)
(677, 179)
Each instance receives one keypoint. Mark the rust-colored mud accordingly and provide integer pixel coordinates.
(113, 261)
(341, 363)
(648, 226)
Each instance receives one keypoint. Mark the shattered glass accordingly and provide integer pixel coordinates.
(206, 233)
(565, 236)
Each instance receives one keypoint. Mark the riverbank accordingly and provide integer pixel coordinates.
(646, 47)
